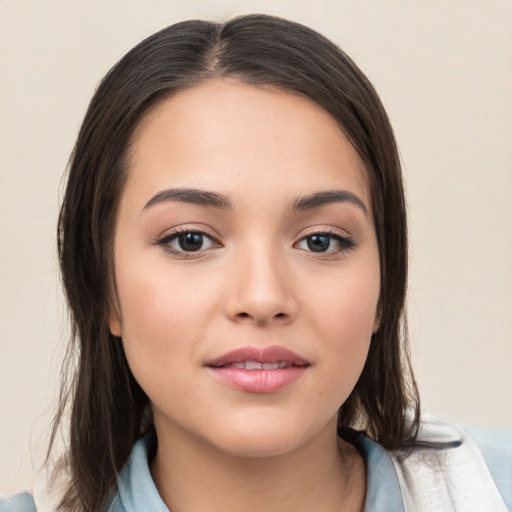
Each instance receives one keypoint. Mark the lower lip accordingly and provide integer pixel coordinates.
(259, 381)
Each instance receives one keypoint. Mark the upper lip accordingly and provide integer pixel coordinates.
(274, 354)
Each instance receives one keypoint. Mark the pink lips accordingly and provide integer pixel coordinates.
(257, 370)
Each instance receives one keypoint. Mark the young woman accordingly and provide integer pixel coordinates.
(233, 249)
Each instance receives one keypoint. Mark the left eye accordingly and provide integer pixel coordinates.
(325, 242)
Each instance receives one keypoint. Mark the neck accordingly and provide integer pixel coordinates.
(323, 474)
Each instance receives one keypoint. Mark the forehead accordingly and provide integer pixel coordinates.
(224, 133)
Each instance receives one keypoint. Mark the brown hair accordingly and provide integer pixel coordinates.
(108, 407)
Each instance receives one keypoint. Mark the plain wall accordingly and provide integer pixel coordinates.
(444, 71)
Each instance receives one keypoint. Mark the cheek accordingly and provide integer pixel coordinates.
(157, 297)
(346, 302)
(344, 312)
(164, 316)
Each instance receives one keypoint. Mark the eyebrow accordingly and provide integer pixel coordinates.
(215, 200)
(190, 195)
(318, 199)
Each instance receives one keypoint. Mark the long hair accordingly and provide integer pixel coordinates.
(107, 406)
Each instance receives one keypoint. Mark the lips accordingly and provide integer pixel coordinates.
(257, 370)
(255, 365)
(268, 355)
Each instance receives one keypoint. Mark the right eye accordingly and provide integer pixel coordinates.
(187, 241)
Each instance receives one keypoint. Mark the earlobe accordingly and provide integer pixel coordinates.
(114, 323)
(376, 322)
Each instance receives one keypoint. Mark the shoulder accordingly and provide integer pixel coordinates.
(46, 492)
(470, 467)
(495, 445)
(19, 503)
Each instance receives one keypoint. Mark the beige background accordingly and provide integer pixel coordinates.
(444, 71)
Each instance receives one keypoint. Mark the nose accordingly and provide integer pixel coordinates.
(261, 290)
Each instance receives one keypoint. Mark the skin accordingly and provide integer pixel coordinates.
(255, 281)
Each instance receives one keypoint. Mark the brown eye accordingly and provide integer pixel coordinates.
(190, 241)
(187, 242)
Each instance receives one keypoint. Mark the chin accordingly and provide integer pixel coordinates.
(259, 445)
(263, 437)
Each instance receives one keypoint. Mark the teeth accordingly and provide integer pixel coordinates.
(255, 365)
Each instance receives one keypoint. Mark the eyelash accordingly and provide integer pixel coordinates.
(345, 244)
(174, 235)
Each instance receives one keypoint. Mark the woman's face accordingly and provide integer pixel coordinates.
(247, 268)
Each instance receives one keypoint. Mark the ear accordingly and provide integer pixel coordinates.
(114, 322)
(376, 322)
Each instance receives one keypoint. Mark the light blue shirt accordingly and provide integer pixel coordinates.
(137, 491)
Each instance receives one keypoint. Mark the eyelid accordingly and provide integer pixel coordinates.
(324, 230)
(346, 241)
(169, 235)
(188, 228)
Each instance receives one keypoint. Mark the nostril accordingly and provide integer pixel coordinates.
(243, 314)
